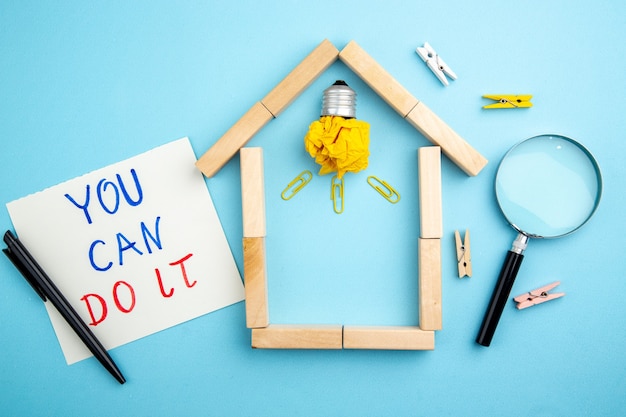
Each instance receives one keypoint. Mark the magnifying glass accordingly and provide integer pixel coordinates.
(547, 186)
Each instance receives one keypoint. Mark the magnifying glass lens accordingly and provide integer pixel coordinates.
(547, 186)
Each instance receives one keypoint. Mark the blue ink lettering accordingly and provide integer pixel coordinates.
(109, 196)
(91, 257)
(137, 186)
(129, 245)
(101, 189)
(146, 234)
(83, 206)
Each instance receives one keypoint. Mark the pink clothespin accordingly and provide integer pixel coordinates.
(538, 296)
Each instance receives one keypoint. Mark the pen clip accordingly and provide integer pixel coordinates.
(14, 244)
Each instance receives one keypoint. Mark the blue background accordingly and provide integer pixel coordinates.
(86, 84)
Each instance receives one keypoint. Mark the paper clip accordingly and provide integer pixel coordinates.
(509, 101)
(538, 296)
(435, 63)
(384, 189)
(463, 254)
(297, 184)
(336, 194)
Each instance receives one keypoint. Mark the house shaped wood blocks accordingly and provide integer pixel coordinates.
(266, 334)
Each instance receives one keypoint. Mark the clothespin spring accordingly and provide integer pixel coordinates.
(462, 260)
(514, 103)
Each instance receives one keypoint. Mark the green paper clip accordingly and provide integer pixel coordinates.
(297, 184)
(384, 189)
(336, 194)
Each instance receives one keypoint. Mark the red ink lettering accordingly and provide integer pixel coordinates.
(116, 298)
(163, 293)
(182, 267)
(103, 305)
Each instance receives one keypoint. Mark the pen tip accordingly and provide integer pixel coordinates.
(120, 378)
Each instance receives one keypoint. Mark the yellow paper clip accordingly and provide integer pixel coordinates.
(297, 184)
(509, 101)
(384, 189)
(336, 194)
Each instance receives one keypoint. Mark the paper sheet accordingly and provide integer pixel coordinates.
(136, 247)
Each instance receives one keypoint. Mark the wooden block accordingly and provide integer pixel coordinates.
(429, 179)
(453, 145)
(235, 138)
(252, 192)
(301, 77)
(378, 78)
(409, 107)
(255, 280)
(429, 260)
(388, 337)
(285, 336)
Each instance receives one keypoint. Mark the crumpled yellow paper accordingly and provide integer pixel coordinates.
(338, 145)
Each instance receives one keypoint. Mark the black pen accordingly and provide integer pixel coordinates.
(43, 285)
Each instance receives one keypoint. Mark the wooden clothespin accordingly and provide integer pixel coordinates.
(538, 296)
(435, 63)
(463, 254)
(509, 101)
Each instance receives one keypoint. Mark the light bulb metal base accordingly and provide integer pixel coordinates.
(339, 100)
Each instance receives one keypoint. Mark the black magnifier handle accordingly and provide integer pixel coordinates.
(501, 292)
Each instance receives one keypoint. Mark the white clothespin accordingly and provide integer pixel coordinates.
(435, 63)
(538, 296)
(463, 254)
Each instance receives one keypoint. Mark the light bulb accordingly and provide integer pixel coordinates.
(338, 141)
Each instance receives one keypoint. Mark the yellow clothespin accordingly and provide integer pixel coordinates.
(336, 194)
(463, 254)
(384, 189)
(297, 184)
(509, 101)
